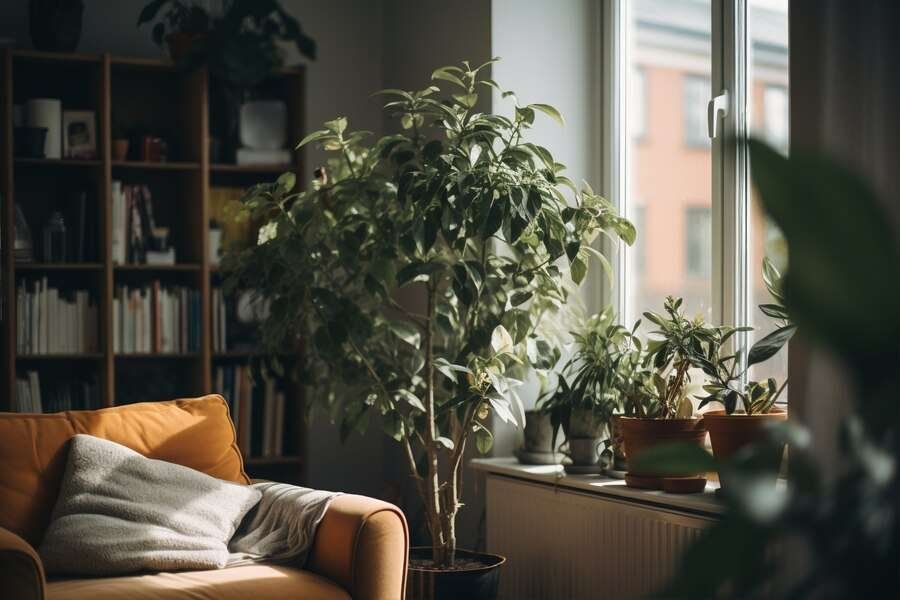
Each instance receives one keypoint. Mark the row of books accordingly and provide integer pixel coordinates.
(219, 321)
(135, 237)
(257, 409)
(60, 395)
(54, 321)
(156, 319)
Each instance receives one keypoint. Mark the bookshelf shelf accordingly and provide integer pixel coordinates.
(57, 162)
(158, 268)
(250, 169)
(180, 105)
(156, 166)
(39, 267)
(59, 356)
(158, 355)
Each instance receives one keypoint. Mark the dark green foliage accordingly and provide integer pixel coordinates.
(479, 231)
(835, 536)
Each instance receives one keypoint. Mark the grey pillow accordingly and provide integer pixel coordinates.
(120, 512)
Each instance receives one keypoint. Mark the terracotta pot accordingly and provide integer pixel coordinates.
(643, 434)
(181, 43)
(120, 149)
(729, 433)
(476, 576)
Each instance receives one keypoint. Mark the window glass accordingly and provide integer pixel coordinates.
(768, 108)
(696, 96)
(697, 233)
(670, 47)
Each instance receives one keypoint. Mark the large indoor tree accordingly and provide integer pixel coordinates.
(480, 226)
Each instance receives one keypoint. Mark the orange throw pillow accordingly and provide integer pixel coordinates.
(197, 433)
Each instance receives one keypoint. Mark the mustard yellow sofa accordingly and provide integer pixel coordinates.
(360, 550)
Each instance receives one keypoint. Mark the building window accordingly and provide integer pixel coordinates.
(698, 246)
(637, 115)
(696, 92)
(701, 233)
(776, 116)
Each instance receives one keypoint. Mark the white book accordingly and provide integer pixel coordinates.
(148, 321)
(40, 324)
(51, 339)
(35, 384)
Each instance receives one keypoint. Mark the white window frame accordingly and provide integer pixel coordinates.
(730, 214)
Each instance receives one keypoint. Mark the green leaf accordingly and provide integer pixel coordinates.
(448, 369)
(550, 111)
(314, 137)
(286, 181)
(578, 269)
(410, 399)
(407, 332)
(768, 346)
(520, 298)
(501, 341)
(336, 126)
(445, 442)
(444, 74)
(484, 440)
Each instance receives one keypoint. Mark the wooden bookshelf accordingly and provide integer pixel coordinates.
(135, 90)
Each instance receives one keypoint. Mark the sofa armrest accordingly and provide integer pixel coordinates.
(363, 545)
(21, 571)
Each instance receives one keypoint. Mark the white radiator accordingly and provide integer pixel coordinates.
(562, 544)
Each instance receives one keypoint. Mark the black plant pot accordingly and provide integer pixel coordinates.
(29, 141)
(55, 24)
(477, 577)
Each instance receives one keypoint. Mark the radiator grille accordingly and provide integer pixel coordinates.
(563, 544)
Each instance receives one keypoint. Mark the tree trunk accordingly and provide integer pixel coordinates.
(432, 480)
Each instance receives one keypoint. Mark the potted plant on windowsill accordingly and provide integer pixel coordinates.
(469, 222)
(583, 408)
(750, 409)
(667, 416)
(183, 26)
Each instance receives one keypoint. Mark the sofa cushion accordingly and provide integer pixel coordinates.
(119, 512)
(196, 433)
(259, 582)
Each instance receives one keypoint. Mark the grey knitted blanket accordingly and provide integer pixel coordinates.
(281, 527)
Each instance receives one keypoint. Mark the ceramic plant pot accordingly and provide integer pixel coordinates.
(583, 452)
(728, 434)
(538, 432)
(583, 423)
(475, 576)
(120, 149)
(642, 434)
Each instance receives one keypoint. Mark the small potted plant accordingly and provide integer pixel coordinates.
(748, 409)
(183, 25)
(667, 416)
(584, 407)
(471, 221)
(119, 141)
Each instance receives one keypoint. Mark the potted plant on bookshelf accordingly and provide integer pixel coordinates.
(583, 408)
(405, 269)
(119, 141)
(667, 415)
(748, 410)
(183, 26)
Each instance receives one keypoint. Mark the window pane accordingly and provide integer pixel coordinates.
(767, 90)
(669, 179)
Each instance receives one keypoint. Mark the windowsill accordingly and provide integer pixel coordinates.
(704, 503)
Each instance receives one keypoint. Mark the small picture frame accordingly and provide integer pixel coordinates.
(79, 134)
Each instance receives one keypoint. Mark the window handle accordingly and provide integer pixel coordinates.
(717, 107)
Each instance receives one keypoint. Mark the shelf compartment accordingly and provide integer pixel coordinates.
(57, 162)
(175, 165)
